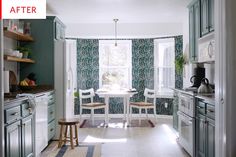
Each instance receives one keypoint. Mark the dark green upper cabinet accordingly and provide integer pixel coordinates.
(211, 15)
(194, 30)
(207, 16)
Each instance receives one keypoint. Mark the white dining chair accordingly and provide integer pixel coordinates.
(149, 103)
(88, 95)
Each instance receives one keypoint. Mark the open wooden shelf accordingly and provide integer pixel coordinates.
(15, 59)
(17, 35)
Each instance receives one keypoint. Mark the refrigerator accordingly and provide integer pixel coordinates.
(65, 81)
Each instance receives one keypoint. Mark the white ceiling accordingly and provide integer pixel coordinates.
(127, 11)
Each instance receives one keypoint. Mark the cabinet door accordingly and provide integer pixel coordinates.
(191, 34)
(27, 136)
(200, 136)
(211, 15)
(204, 17)
(197, 28)
(210, 132)
(13, 140)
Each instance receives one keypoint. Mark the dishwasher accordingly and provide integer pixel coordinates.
(41, 123)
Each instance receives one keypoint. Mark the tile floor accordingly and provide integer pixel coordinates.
(159, 141)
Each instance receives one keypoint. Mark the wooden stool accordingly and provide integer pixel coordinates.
(68, 123)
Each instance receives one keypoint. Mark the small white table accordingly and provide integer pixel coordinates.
(116, 93)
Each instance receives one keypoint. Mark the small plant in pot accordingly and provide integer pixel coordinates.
(25, 50)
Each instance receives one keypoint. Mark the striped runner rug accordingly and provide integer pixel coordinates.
(78, 151)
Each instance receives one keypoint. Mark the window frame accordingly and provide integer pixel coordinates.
(163, 94)
(129, 60)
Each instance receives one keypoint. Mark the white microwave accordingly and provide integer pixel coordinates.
(206, 48)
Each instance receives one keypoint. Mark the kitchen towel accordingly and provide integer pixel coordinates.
(6, 81)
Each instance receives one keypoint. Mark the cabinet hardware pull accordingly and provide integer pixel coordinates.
(200, 107)
(210, 111)
(14, 114)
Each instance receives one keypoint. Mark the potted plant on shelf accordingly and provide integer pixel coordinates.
(180, 61)
(25, 50)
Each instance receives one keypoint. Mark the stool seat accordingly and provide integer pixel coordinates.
(71, 121)
(68, 124)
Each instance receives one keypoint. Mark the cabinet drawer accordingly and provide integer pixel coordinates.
(26, 109)
(201, 107)
(51, 129)
(51, 99)
(12, 114)
(51, 112)
(210, 111)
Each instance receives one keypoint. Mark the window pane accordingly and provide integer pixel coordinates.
(115, 77)
(114, 55)
(164, 51)
(115, 63)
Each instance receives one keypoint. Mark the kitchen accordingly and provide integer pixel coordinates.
(216, 78)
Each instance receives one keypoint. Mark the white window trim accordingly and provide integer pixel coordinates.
(156, 42)
(129, 60)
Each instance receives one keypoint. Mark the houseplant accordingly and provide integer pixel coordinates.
(180, 61)
(25, 50)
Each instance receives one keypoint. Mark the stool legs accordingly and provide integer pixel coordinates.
(76, 135)
(63, 131)
(71, 138)
(65, 135)
(60, 138)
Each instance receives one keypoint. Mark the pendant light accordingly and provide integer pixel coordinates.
(115, 20)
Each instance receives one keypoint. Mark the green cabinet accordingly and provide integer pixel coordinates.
(194, 30)
(19, 129)
(13, 140)
(210, 149)
(207, 16)
(205, 130)
(51, 116)
(45, 32)
(27, 136)
(201, 22)
(200, 136)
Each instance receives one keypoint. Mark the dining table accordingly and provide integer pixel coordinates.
(125, 94)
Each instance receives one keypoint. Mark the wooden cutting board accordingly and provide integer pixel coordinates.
(12, 78)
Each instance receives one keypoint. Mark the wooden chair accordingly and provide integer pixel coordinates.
(65, 125)
(89, 94)
(150, 95)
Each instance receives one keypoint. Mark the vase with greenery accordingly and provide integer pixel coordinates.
(180, 61)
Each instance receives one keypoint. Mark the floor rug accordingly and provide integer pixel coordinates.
(116, 123)
(79, 151)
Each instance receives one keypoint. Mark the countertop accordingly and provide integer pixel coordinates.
(209, 98)
(11, 97)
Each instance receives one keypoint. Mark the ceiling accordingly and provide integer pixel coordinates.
(127, 11)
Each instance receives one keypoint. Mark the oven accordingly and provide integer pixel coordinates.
(186, 123)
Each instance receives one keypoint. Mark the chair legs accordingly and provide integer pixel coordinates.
(92, 116)
(140, 113)
(80, 114)
(155, 114)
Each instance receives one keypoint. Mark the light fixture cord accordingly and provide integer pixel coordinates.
(116, 20)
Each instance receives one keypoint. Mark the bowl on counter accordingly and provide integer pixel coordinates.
(27, 88)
